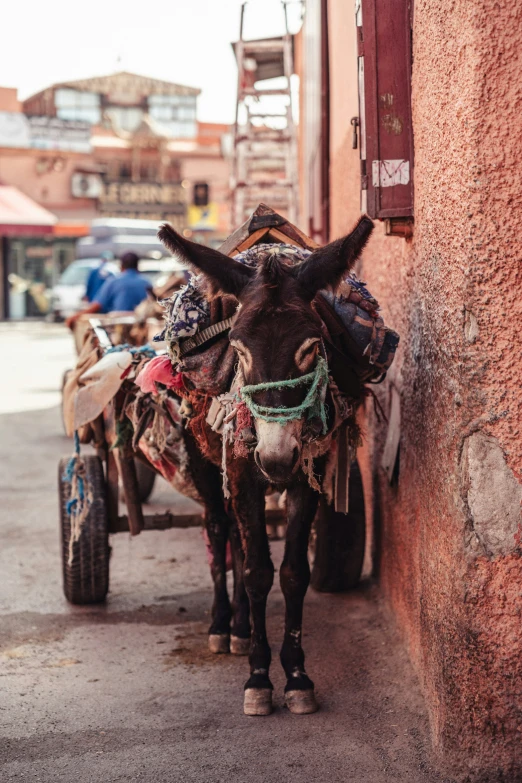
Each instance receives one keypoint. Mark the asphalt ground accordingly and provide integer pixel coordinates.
(127, 691)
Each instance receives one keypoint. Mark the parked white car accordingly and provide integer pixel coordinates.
(67, 296)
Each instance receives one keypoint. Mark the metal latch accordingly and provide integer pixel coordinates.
(354, 122)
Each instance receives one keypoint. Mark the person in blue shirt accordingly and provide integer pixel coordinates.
(98, 276)
(121, 293)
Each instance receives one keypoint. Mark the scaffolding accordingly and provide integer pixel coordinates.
(265, 137)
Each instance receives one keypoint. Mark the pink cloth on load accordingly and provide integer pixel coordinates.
(158, 370)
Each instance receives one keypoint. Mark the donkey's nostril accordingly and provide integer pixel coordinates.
(276, 465)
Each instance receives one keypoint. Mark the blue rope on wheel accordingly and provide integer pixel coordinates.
(80, 498)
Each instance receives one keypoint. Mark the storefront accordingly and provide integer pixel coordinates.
(30, 257)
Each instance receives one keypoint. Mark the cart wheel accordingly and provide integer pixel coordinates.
(339, 541)
(146, 477)
(86, 579)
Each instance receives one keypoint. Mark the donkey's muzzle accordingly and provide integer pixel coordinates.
(278, 449)
(277, 467)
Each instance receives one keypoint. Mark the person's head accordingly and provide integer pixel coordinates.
(105, 256)
(129, 261)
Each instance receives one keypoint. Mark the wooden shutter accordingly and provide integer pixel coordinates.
(384, 63)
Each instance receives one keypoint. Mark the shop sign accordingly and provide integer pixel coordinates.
(204, 218)
(143, 194)
(52, 133)
(44, 133)
(145, 200)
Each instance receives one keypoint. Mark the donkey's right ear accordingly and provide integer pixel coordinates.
(224, 275)
(326, 266)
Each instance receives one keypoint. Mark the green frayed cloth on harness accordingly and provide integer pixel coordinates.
(312, 405)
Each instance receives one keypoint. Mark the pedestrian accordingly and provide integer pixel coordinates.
(98, 276)
(121, 293)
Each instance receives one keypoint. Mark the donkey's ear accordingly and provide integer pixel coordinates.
(224, 275)
(326, 266)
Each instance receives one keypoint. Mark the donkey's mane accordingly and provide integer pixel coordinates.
(274, 262)
(270, 270)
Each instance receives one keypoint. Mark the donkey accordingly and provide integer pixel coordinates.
(277, 337)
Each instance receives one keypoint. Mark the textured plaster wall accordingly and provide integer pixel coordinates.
(448, 536)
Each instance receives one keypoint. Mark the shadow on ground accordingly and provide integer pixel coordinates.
(127, 691)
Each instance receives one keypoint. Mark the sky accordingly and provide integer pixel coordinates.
(183, 41)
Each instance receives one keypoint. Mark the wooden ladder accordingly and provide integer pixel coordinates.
(265, 137)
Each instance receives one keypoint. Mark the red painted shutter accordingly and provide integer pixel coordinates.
(384, 61)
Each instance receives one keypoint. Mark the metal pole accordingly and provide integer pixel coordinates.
(241, 20)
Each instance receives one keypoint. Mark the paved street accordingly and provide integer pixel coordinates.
(127, 691)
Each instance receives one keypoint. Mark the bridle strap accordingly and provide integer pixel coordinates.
(189, 343)
(313, 404)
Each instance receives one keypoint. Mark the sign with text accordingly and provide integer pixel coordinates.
(144, 200)
(44, 133)
(52, 133)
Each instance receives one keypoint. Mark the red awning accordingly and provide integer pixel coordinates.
(21, 216)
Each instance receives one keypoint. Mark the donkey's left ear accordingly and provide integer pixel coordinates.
(224, 275)
(326, 266)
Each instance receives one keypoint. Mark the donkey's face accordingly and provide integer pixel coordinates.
(276, 336)
(276, 333)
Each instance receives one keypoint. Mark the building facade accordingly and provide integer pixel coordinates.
(444, 263)
(122, 146)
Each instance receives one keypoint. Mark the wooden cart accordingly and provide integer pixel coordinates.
(338, 539)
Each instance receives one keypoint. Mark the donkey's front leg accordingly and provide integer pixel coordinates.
(248, 501)
(295, 578)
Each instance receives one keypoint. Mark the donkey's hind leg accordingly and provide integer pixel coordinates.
(295, 578)
(240, 636)
(207, 479)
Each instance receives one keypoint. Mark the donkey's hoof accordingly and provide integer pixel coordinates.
(219, 643)
(239, 646)
(301, 702)
(258, 701)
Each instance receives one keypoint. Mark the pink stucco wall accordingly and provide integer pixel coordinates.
(448, 536)
(51, 189)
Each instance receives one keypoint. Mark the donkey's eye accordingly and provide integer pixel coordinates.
(242, 352)
(306, 353)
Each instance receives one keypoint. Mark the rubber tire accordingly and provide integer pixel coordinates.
(146, 478)
(340, 541)
(86, 580)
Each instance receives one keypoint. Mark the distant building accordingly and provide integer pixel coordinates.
(123, 146)
(124, 99)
